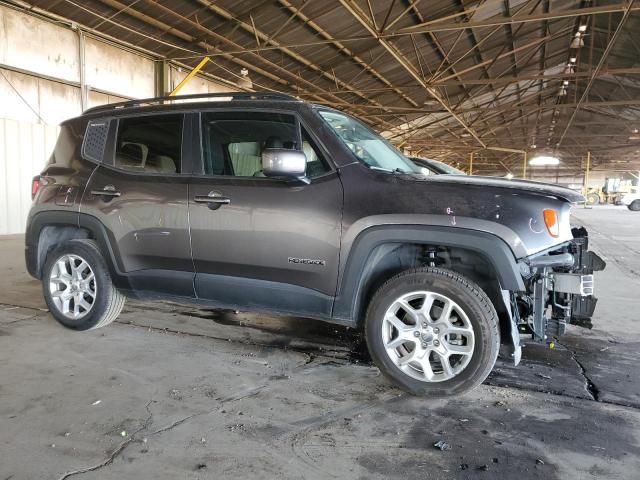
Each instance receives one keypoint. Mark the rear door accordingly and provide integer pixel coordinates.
(139, 194)
(263, 242)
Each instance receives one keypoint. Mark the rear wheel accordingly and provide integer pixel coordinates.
(432, 332)
(77, 286)
(593, 199)
(635, 205)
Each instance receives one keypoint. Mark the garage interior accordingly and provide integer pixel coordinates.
(524, 89)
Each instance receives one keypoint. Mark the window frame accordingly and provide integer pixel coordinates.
(198, 146)
(185, 144)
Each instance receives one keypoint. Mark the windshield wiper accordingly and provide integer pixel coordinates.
(388, 170)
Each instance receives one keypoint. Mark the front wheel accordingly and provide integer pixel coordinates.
(432, 332)
(77, 286)
(634, 206)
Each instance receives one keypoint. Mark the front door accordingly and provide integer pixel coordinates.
(261, 242)
(140, 195)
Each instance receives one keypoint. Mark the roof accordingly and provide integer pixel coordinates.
(443, 78)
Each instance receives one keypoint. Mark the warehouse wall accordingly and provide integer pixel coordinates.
(40, 86)
(23, 146)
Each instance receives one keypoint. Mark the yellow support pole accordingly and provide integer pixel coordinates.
(586, 177)
(524, 165)
(471, 163)
(190, 75)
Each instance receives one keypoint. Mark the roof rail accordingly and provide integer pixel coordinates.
(169, 99)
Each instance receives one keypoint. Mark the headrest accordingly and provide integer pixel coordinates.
(273, 142)
(133, 151)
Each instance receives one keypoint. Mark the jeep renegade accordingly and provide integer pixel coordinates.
(259, 201)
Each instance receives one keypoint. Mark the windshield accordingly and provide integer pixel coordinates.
(447, 169)
(367, 145)
(428, 165)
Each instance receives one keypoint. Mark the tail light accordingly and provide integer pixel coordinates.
(35, 186)
(551, 221)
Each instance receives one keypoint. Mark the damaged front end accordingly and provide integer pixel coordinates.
(559, 288)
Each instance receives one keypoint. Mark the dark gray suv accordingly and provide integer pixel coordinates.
(264, 202)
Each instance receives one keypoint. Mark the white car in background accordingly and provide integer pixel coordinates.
(631, 200)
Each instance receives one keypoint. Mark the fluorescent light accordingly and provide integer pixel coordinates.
(541, 160)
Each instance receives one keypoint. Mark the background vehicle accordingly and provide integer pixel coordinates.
(431, 166)
(631, 200)
(263, 202)
(611, 192)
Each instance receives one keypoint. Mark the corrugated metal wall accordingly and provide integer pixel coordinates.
(24, 149)
(40, 87)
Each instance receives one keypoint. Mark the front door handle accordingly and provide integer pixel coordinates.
(107, 191)
(208, 199)
(214, 200)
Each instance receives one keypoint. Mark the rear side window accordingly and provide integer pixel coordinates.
(150, 144)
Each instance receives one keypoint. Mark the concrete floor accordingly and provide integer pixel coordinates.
(179, 392)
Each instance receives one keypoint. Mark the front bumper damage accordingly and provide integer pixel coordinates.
(559, 289)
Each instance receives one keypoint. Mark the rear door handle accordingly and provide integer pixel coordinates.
(107, 191)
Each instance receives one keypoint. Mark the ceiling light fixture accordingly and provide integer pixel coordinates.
(244, 81)
(543, 160)
(577, 41)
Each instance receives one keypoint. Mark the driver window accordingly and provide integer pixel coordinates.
(232, 142)
(316, 163)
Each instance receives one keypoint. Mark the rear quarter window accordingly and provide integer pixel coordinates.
(95, 140)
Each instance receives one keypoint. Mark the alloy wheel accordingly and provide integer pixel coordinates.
(72, 286)
(428, 336)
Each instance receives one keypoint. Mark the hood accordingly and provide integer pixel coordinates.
(521, 185)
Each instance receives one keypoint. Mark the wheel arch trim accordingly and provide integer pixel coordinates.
(36, 256)
(352, 282)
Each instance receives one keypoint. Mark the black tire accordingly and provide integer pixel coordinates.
(593, 199)
(475, 303)
(634, 206)
(108, 301)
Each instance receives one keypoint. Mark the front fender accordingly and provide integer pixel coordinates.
(352, 280)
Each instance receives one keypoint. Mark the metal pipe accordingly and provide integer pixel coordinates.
(189, 76)
(586, 177)
(355, 11)
(603, 58)
(82, 71)
(578, 12)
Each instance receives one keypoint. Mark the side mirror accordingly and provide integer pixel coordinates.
(282, 162)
